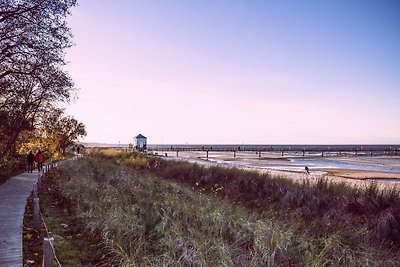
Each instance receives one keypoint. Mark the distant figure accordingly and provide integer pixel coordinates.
(307, 170)
(78, 150)
(30, 159)
(40, 160)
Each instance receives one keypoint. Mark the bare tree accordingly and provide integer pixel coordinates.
(33, 37)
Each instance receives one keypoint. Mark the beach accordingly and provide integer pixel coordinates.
(358, 171)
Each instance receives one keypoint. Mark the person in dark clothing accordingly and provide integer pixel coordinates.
(307, 170)
(30, 159)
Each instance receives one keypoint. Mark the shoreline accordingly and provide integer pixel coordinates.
(293, 167)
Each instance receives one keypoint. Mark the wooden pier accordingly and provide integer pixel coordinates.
(286, 150)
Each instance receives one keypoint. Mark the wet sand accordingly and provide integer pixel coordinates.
(362, 175)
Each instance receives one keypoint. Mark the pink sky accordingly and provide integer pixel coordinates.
(237, 72)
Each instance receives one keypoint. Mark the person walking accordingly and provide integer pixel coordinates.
(307, 170)
(30, 159)
(40, 160)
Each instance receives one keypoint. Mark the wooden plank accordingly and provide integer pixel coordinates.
(13, 196)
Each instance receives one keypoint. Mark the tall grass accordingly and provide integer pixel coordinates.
(196, 216)
(320, 208)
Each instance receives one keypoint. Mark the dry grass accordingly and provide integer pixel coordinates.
(150, 212)
(320, 208)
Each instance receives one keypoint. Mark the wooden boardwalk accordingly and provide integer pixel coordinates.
(313, 150)
(13, 197)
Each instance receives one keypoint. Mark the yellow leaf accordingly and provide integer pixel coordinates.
(28, 236)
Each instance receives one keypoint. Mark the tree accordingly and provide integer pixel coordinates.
(33, 36)
(55, 134)
(64, 132)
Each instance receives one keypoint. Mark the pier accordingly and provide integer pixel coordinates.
(286, 150)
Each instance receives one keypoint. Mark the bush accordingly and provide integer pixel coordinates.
(10, 167)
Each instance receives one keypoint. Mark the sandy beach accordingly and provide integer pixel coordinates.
(359, 171)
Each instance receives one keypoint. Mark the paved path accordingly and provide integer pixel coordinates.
(13, 197)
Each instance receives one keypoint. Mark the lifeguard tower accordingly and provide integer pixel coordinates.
(140, 142)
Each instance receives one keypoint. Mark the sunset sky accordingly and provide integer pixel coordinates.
(237, 71)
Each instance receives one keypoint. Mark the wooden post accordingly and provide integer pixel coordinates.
(39, 181)
(35, 191)
(36, 214)
(177, 153)
(48, 253)
(304, 152)
(234, 153)
(259, 153)
(207, 154)
(282, 153)
(166, 154)
(322, 153)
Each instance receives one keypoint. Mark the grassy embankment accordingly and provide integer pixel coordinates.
(74, 246)
(151, 212)
(11, 167)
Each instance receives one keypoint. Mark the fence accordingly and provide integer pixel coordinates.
(49, 254)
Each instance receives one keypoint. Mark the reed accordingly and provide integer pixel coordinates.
(321, 207)
(151, 212)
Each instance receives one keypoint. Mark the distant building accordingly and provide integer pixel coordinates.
(140, 142)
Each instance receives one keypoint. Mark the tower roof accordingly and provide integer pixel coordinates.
(140, 136)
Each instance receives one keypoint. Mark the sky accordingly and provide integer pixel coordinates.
(237, 71)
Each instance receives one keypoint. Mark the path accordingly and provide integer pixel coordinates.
(13, 197)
